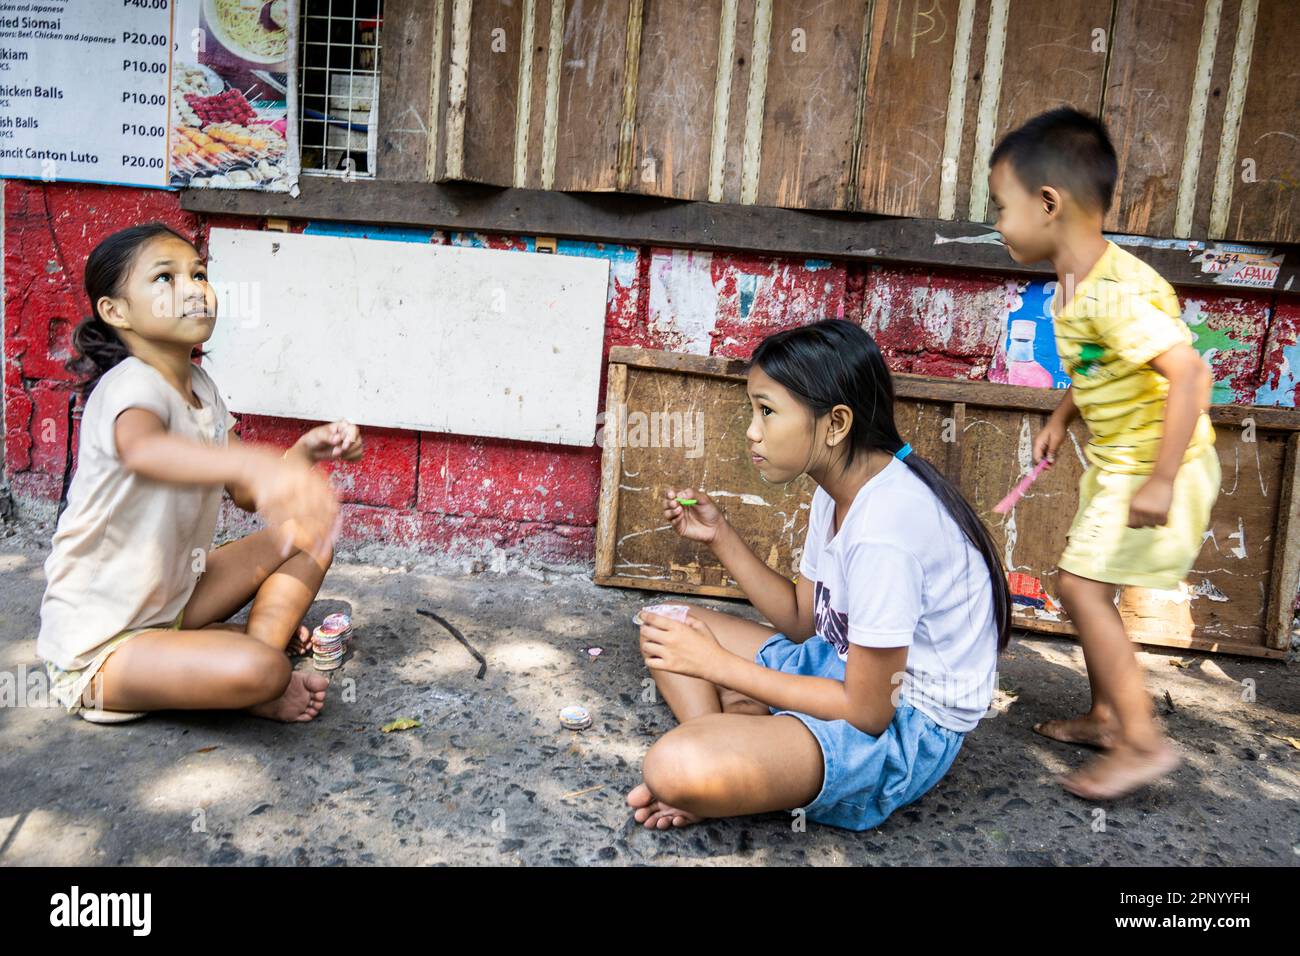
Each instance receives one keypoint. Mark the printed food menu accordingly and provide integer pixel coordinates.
(161, 93)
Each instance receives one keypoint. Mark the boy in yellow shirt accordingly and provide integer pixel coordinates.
(1145, 500)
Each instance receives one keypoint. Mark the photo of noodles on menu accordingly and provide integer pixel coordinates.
(232, 96)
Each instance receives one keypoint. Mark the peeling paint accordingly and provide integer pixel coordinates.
(1280, 373)
(457, 495)
(934, 324)
(1228, 332)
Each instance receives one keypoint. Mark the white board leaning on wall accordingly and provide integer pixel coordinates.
(408, 335)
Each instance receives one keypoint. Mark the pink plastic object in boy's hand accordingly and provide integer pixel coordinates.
(1018, 492)
(676, 612)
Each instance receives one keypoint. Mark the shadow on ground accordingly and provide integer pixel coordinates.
(490, 777)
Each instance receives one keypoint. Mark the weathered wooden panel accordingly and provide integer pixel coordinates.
(589, 115)
(813, 74)
(530, 166)
(408, 117)
(676, 78)
(905, 114)
(742, 66)
(681, 422)
(496, 33)
(1037, 56)
(1148, 108)
(687, 431)
(1265, 174)
(1227, 581)
(884, 106)
(1224, 43)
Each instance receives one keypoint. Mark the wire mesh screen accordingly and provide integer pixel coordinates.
(338, 104)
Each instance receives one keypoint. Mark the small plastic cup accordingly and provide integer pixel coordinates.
(676, 612)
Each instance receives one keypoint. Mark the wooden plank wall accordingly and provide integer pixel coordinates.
(679, 420)
(880, 106)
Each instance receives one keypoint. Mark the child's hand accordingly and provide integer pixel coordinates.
(338, 440)
(697, 522)
(1047, 441)
(680, 647)
(1150, 505)
(292, 496)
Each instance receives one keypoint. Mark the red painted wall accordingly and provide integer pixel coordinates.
(464, 495)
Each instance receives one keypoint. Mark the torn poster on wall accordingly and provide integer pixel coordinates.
(1027, 351)
(233, 119)
(1240, 265)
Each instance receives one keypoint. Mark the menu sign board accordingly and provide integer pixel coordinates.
(84, 89)
(161, 93)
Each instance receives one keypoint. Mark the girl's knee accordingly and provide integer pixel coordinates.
(676, 769)
(257, 673)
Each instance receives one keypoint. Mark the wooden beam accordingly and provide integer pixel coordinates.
(1025, 622)
(408, 121)
(946, 390)
(611, 466)
(647, 220)
(1286, 554)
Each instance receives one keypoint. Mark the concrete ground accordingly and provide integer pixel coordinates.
(490, 777)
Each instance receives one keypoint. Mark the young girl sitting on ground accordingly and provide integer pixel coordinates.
(880, 658)
(133, 617)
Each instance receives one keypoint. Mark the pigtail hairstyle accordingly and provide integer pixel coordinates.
(835, 362)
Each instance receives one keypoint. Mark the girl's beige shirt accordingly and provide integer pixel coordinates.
(128, 550)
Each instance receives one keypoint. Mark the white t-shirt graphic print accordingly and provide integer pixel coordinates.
(900, 573)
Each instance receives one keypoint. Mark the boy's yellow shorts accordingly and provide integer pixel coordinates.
(1103, 547)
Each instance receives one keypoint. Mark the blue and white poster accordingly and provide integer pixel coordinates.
(1027, 352)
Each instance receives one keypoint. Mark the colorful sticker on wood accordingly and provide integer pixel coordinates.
(1027, 352)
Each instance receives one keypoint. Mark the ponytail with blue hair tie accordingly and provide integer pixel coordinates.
(903, 452)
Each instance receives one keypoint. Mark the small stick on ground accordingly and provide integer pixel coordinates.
(482, 661)
(579, 793)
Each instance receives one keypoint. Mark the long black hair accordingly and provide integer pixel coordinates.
(835, 362)
(97, 345)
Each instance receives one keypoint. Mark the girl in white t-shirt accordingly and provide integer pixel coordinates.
(135, 607)
(882, 654)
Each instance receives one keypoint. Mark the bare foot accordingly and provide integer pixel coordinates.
(654, 813)
(300, 643)
(302, 700)
(1087, 729)
(1121, 770)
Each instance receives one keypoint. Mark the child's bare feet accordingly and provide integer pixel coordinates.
(300, 643)
(302, 700)
(1090, 729)
(654, 813)
(1121, 770)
